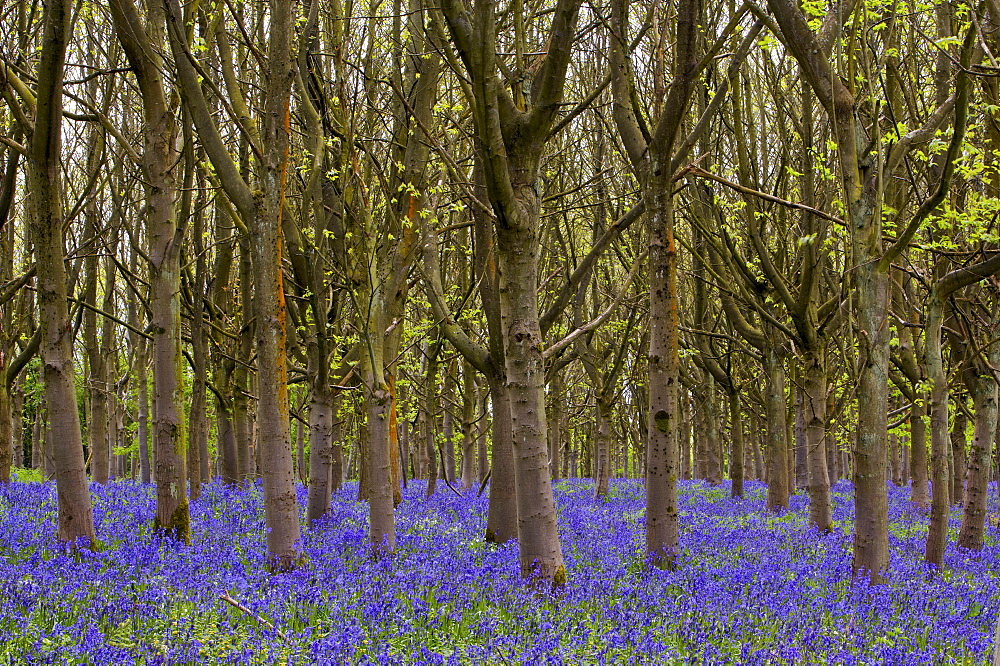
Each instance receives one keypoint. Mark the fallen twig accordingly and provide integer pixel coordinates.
(235, 604)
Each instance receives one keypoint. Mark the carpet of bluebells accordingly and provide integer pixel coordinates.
(752, 588)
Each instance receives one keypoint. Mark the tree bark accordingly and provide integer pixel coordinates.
(918, 454)
(985, 397)
(44, 184)
(958, 456)
(814, 415)
(737, 455)
(468, 426)
(602, 448)
(777, 431)
(321, 416)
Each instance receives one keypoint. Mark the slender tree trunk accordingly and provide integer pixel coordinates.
(7, 451)
(337, 450)
(364, 462)
(894, 469)
(160, 155)
(958, 457)
(985, 398)
(226, 443)
(321, 417)
(433, 403)
(300, 453)
(38, 437)
(198, 445)
(830, 443)
(799, 439)
(96, 397)
(448, 424)
(468, 425)
(44, 185)
(760, 471)
(556, 426)
(142, 412)
(736, 457)
(17, 416)
(713, 423)
(242, 434)
(501, 517)
(814, 415)
(420, 447)
(777, 432)
(700, 450)
(169, 437)
(937, 530)
(430, 435)
(602, 447)
(382, 527)
(918, 454)
(684, 445)
(482, 455)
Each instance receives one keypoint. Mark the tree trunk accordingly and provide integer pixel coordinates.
(814, 416)
(448, 424)
(300, 453)
(501, 517)
(44, 185)
(871, 500)
(142, 412)
(96, 396)
(799, 437)
(759, 469)
(777, 432)
(482, 455)
(537, 534)
(274, 442)
(431, 438)
(602, 448)
(364, 462)
(736, 457)
(337, 451)
(556, 426)
(242, 432)
(321, 417)
(700, 450)
(713, 419)
(226, 443)
(468, 424)
(918, 454)
(958, 457)
(17, 416)
(937, 530)
(985, 398)
(198, 445)
(6, 431)
(684, 440)
(662, 529)
(382, 526)
(433, 403)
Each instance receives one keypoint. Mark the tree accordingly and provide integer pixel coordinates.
(44, 182)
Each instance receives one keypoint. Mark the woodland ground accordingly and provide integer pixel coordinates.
(752, 588)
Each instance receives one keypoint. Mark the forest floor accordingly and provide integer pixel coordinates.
(752, 588)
